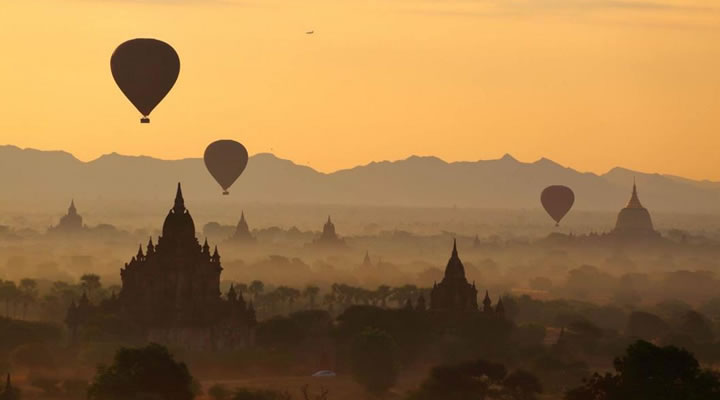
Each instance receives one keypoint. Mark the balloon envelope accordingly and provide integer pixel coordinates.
(557, 201)
(145, 70)
(226, 160)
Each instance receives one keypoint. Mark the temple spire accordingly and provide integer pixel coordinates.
(179, 201)
(454, 250)
(72, 210)
(367, 262)
(634, 200)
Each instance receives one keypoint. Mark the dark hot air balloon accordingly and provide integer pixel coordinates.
(145, 70)
(557, 201)
(226, 160)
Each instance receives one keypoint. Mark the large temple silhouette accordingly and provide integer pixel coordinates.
(328, 237)
(172, 292)
(72, 222)
(455, 294)
(634, 221)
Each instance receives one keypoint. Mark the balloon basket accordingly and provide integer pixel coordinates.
(225, 193)
(144, 120)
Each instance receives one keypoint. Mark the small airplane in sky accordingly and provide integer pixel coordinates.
(309, 32)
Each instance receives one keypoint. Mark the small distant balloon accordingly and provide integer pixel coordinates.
(145, 70)
(226, 160)
(557, 201)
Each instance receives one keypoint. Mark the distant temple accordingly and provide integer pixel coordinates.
(455, 293)
(242, 232)
(172, 292)
(329, 238)
(72, 222)
(634, 220)
(367, 263)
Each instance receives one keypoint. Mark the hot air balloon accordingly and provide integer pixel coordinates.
(226, 160)
(145, 70)
(557, 201)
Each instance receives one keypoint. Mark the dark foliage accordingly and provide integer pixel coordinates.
(149, 372)
(477, 380)
(649, 372)
(374, 364)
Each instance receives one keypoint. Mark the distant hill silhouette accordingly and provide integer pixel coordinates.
(43, 179)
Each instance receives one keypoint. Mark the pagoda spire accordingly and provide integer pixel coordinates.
(206, 247)
(72, 210)
(634, 200)
(367, 262)
(454, 250)
(487, 303)
(179, 201)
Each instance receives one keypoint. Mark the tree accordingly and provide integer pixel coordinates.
(649, 372)
(28, 288)
(10, 294)
(473, 380)
(148, 372)
(374, 363)
(311, 292)
(646, 325)
(279, 333)
(90, 283)
(256, 288)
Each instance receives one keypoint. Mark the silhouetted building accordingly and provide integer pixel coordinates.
(634, 220)
(328, 237)
(172, 292)
(242, 231)
(367, 263)
(454, 292)
(71, 222)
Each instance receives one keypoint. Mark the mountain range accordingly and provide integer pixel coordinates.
(33, 179)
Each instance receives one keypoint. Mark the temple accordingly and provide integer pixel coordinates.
(367, 263)
(71, 222)
(633, 221)
(329, 238)
(454, 292)
(171, 291)
(242, 232)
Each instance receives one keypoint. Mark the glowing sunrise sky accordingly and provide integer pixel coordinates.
(591, 84)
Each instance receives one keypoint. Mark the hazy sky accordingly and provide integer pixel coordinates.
(589, 83)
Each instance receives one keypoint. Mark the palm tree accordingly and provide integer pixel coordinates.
(311, 293)
(28, 289)
(292, 296)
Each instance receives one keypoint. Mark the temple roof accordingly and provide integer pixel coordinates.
(455, 268)
(634, 200)
(178, 222)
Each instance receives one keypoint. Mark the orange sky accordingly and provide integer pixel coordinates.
(589, 83)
